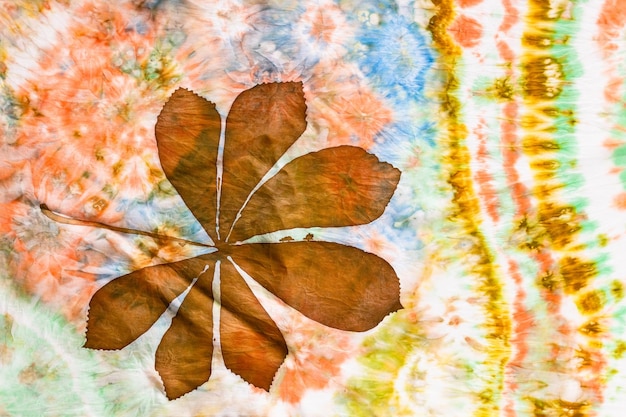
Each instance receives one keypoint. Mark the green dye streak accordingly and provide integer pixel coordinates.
(619, 156)
(42, 364)
(622, 177)
(384, 356)
(386, 351)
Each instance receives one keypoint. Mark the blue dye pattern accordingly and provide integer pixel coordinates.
(271, 40)
(395, 57)
(402, 223)
(400, 139)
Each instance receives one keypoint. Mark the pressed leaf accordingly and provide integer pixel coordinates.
(342, 186)
(126, 307)
(183, 358)
(188, 134)
(337, 285)
(263, 123)
(252, 346)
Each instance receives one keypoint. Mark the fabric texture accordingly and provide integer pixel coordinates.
(312, 208)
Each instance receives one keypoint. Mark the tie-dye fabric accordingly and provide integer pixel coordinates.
(499, 129)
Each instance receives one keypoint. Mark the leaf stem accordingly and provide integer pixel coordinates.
(75, 222)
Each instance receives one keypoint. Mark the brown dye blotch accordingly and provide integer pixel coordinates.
(529, 234)
(451, 105)
(591, 302)
(539, 10)
(117, 168)
(550, 112)
(534, 146)
(584, 357)
(543, 408)
(576, 273)
(438, 26)
(592, 328)
(543, 78)
(570, 115)
(549, 281)
(559, 221)
(532, 245)
(543, 41)
(502, 89)
(617, 289)
(547, 190)
(546, 169)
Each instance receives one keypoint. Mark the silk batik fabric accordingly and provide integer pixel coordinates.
(312, 208)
